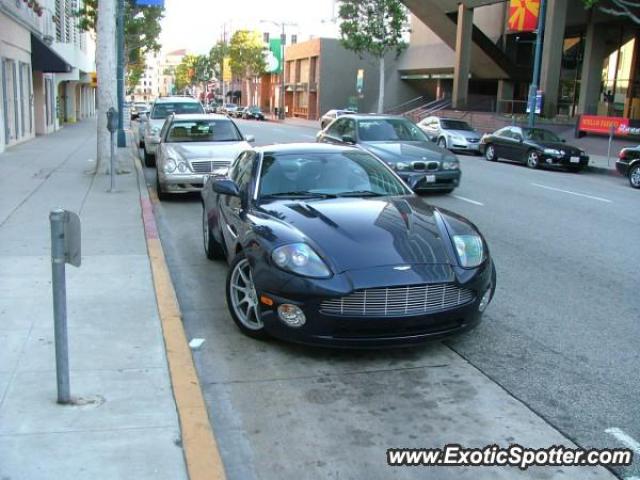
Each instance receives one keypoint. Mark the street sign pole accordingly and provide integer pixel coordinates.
(65, 248)
(283, 41)
(533, 89)
(122, 139)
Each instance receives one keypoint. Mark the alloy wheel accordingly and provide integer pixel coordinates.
(634, 177)
(244, 299)
(532, 159)
(442, 143)
(490, 153)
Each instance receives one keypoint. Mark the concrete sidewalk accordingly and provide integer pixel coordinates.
(124, 423)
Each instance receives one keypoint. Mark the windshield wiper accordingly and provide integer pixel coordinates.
(361, 193)
(302, 193)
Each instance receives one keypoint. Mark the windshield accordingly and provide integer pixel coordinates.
(540, 135)
(389, 129)
(203, 131)
(455, 125)
(163, 110)
(327, 174)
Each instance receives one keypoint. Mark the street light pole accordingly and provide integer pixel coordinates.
(283, 41)
(533, 89)
(122, 139)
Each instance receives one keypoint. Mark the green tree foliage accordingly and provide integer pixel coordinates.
(374, 27)
(246, 57)
(142, 32)
(194, 69)
(216, 56)
(617, 8)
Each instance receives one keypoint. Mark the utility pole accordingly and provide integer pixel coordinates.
(224, 83)
(283, 41)
(122, 139)
(107, 78)
(535, 81)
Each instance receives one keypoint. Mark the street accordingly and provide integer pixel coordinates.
(556, 353)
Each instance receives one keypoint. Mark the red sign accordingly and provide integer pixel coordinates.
(598, 124)
(523, 15)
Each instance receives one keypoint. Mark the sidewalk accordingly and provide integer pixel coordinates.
(124, 423)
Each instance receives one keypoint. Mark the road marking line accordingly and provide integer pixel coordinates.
(631, 478)
(624, 438)
(600, 199)
(201, 453)
(465, 199)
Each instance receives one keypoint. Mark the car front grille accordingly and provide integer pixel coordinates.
(208, 166)
(398, 301)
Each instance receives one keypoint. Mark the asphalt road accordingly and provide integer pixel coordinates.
(558, 346)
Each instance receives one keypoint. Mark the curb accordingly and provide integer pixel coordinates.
(603, 171)
(202, 456)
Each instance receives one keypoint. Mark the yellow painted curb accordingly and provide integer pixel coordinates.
(198, 441)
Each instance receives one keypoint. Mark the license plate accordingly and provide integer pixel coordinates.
(575, 160)
(430, 178)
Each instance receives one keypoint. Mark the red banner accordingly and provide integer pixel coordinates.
(523, 15)
(598, 124)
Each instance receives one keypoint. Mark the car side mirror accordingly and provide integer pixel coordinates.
(225, 186)
(520, 139)
(348, 139)
(250, 138)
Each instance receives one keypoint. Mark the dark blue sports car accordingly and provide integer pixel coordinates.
(327, 245)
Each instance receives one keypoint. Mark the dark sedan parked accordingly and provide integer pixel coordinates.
(253, 113)
(535, 147)
(402, 145)
(328, 246)
(628, 164)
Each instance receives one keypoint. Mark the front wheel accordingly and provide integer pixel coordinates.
(442, 142)
(242, 298)
(490, 153)
(634, 176)
(533, 159)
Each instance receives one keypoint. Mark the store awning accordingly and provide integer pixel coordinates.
(44, 59)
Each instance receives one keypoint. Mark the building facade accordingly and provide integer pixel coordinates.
(466, 52)
(45, 69)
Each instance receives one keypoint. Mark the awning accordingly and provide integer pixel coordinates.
(44, 59)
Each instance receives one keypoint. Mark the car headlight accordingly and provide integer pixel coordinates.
(169, 165)
(582, 153)
(183, 167)
(300, 258)
(552, 151)
(450, 163)
(402, 166)
(470, 250)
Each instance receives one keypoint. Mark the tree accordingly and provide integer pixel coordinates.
(375, 27)
(216, 56)
(106, 70)
(246, 56)
(142, 31)
(617, 8)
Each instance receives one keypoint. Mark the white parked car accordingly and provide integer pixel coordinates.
(162, 108)
(192, 147)
(450, 133)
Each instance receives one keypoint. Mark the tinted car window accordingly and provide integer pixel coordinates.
(335, 173)
(163, 110)
(540, 135)
(241, 172)
(203, 131)
(455, 125)
(336, 127)
(389, 129)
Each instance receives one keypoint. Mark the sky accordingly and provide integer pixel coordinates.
(197, 24)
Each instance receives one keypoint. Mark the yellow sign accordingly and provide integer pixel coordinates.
(523, 15)
(226, 69)
(94, 79)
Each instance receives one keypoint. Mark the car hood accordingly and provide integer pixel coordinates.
(357, 233)
(464, 133)
(558, 146)
(207, 150)
(403, 151)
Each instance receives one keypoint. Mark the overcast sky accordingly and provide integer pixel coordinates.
(197, 24)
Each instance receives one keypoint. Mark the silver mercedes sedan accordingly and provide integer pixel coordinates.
(194, 146)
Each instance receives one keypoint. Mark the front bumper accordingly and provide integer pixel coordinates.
(622, 167)
(464, 146)
(565, 161)
(181, 182)
(431, 180)
(367, 332)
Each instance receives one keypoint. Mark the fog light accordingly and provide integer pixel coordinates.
(291, 315)
(486, 298)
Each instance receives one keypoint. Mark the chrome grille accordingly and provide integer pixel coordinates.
(208, 166)
(433, 165)
(398, 301)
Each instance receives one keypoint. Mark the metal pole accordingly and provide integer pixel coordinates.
(283, 40)
(111, 165)
(122, 139)
(533, 89)
(611, 128)
(58, 284)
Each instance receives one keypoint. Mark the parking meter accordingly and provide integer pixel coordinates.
(112, 120)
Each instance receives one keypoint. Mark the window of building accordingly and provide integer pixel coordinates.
(265, 37)
(294, 39)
